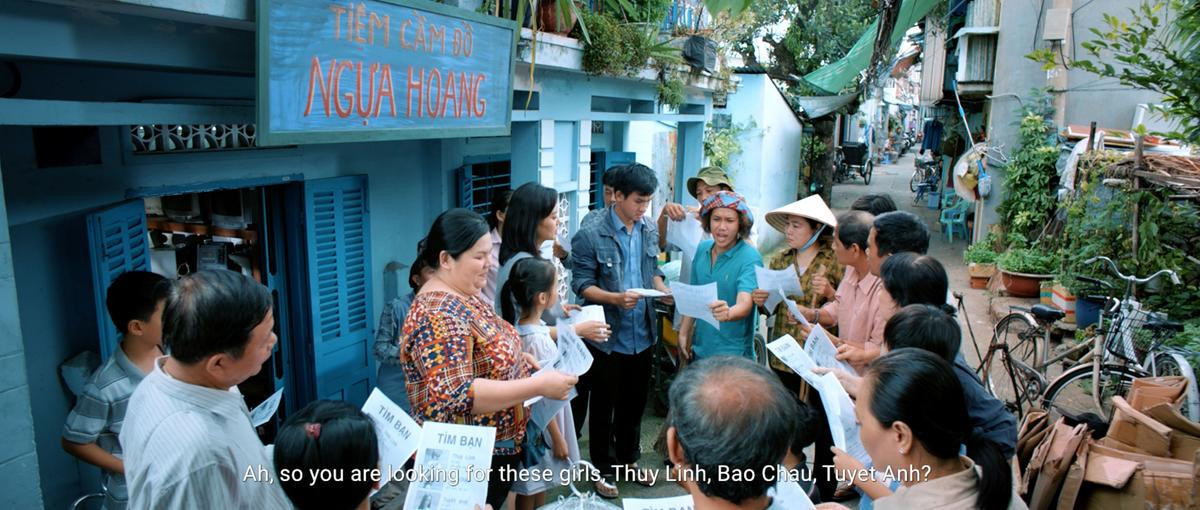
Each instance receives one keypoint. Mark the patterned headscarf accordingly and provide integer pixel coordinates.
(727, 199)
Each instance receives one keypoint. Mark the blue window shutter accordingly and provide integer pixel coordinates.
(338, 238)
(118, 241)
(465, 183)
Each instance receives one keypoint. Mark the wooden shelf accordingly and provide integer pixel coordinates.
(167, 225)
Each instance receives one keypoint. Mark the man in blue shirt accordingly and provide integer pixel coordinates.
(609, 258)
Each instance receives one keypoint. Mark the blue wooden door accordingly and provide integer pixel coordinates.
(601, 162)
(338, 247)
(118, 241)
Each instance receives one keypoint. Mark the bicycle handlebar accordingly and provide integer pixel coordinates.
(1113, 266)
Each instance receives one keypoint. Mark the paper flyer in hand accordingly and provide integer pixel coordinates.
(790, 495)
(820, 348)
(542, 411)
(791, 354)
(453, 463)
(693, 301)
(675, 503)
(573, 355)
(588, 313)
(781, 279)
(685, 235)
(263, 412)
(839, 410)
(794, 309)
(398, 433)
(651, 293)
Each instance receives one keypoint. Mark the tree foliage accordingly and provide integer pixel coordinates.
(801, 35)
(1156, 47)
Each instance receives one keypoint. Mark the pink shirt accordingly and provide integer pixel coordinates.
(489, 290)
(861, 308)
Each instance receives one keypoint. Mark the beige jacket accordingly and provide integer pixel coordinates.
(954, 492)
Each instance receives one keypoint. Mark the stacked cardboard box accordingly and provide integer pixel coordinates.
(1149, 457)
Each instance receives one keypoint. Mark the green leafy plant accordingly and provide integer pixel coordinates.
(670, 90)
(980, 253)
(721, 145)
(638, 11)
(1188, 341)
(1028, 260)
(1032, 176)
(623, 49)
(1099, 221)
(1154, 47)
(811, 149)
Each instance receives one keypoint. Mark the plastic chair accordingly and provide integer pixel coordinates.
(955, 219)
(949, 198)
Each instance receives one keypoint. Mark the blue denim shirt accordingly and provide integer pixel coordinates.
(628, 339)
(598, 259)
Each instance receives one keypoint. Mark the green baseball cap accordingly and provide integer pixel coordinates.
(712, 176)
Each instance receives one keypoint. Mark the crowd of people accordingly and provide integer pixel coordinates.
(164, 420)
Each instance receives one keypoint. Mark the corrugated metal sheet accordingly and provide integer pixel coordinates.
(934, 65)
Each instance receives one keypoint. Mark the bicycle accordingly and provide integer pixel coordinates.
(1111, 363)
(1009, 370)
(924, 171)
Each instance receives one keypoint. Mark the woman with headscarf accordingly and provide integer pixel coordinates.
(729, 261)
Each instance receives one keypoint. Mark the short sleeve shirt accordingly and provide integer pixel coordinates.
(99, 413)
(733, 272)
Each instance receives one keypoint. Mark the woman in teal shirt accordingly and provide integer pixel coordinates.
(729, 261)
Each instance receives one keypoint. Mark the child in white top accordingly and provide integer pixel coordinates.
(530, 289)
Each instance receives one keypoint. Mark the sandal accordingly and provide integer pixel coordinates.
(606, 489)
(644, 476)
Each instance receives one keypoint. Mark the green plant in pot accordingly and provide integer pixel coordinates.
(981, 262)
(1024, 267)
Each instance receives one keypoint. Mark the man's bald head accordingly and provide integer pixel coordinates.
(730, 411)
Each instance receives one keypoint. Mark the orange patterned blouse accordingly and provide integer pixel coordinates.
(448, 342)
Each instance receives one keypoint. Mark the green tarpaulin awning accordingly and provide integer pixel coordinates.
(832, 78)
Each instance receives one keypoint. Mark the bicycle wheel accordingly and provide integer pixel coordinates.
(1022, 335)
(1072, 392)
(916, 178)
(867, 170)
(1012, 382)
(1167, 363)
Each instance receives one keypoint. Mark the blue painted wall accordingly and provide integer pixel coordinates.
(47, 209)
(409, 182)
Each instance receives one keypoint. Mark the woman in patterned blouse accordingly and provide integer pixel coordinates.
(462, 362)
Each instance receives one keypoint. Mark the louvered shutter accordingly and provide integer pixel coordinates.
(338, 251)
(118, 241)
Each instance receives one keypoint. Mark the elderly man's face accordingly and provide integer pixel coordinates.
(234, 371)
(874, 260)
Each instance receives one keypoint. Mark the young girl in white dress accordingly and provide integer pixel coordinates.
(529, 291)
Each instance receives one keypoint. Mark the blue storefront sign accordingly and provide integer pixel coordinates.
(346, 71)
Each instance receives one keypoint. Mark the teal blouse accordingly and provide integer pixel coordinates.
(734, 273)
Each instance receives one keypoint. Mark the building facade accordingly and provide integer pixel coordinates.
(128, 140)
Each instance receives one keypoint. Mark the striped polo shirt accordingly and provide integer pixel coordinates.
(99, 413)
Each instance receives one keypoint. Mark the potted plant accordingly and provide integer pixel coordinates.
(981, 263)
(1023, 269)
